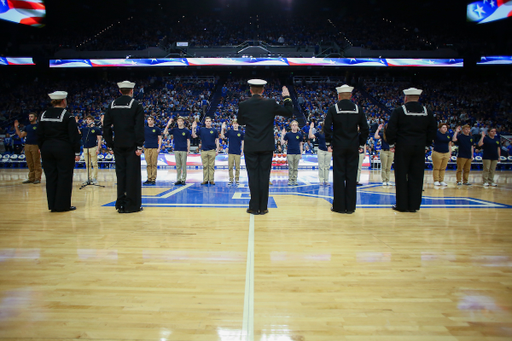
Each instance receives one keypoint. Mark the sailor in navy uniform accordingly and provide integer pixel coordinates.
(59, 142)
(343, 139)
(257, 114)
(411, 129)
(124, 119)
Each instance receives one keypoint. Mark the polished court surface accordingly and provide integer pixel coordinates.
(194, 266)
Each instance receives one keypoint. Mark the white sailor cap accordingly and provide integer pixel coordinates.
(412, 92)
(344, 88)
(256, 82)
(58, 95)
(125, 85)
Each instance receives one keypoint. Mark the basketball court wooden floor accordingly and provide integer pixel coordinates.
(194, 266)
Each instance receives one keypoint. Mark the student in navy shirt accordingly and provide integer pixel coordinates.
(32, 154)
(236, 146)
(491, 155)
(91, 138)
(441, 154)
(210, 145)
(324, 156)
(293, 140)
(386, 155)
(152, 146)
(466, 145)
(181, 137)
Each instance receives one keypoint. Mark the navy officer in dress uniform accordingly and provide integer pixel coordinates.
(345, 141)
(257, 114)
(123, 130)
(59, 142)
(411, 129)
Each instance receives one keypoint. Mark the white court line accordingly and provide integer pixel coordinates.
(248, 316)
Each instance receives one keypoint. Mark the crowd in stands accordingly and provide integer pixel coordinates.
(453, 102)
(483, 104)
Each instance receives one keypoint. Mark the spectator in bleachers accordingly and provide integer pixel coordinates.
(8, 143)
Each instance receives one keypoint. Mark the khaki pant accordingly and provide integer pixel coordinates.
(151, 155)
(360, 165)
(208, 159)
(489, 168)
(293, 166)
(90, 154)
(181, 165)
(463, 165)
(33, 159)
(234, 160)
(324, 164)
(386, 160)
(440, 161)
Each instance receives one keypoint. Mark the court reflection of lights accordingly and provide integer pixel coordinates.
(164, 334)
(279, 333)
(226, 334)
(478, 303)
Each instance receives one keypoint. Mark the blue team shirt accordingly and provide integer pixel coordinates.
(441, 142)
(208, 137)
(235, 138)
(16, 140)
(465, 142)
(321, 141)
(490, 148)
(294, 140)
(181, 136)
(8, 141)
(31, 131)
(151, 136)
(90, 136)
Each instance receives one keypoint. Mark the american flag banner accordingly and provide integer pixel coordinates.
(26, 12)
(489, 10)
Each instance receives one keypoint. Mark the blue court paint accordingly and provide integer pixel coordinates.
(223, 196)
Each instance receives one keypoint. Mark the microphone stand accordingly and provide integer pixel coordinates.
(88, 165)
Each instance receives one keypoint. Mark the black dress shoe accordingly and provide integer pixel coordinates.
(349, 212)
(262, 212)
(358, 184)
(397, 209)
(332, 210)
(178, 183)
(126, 211)
(252, 211)
(71, 208)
